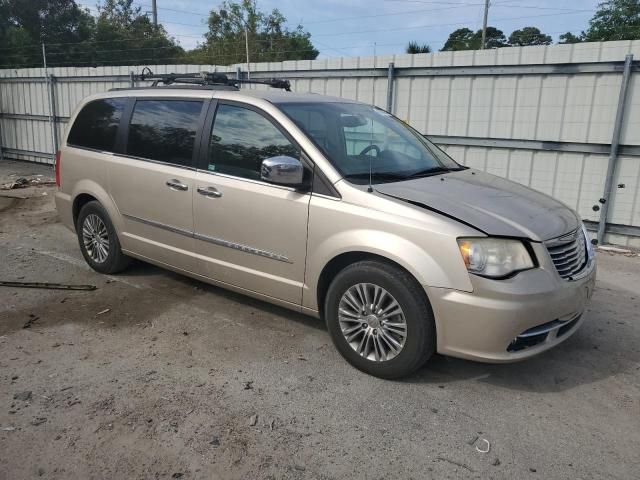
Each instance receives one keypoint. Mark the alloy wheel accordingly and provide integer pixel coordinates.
(372, 322)
(95, 238)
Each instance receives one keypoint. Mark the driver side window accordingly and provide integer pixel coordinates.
(241, 139)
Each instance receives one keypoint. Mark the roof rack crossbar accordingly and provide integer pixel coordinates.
(206, 78)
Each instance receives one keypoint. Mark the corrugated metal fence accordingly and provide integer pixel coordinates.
(542, 116)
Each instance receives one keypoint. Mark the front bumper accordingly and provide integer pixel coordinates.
(512, 319)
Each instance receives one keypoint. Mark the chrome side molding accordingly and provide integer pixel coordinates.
(242, 248)
(216, 241)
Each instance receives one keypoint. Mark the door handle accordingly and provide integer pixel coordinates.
(210, 192)
(177, 185)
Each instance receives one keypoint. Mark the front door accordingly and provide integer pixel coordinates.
(249, 233)
(152, 182)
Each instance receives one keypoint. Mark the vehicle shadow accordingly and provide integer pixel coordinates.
(142, 269)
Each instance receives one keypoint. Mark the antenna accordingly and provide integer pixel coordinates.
(370, 189)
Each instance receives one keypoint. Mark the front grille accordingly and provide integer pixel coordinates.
(569, 253)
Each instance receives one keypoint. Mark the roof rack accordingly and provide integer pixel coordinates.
(206, 79)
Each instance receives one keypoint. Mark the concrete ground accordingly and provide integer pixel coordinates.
(154, 375)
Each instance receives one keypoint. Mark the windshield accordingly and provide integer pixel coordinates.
(357, 137)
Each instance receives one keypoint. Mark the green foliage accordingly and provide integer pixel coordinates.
(124, 36)
(466, 39)
(121, 34)
(25, 24)
(529, 36)
(461, 39)
(571, 38)
(415, 47)
(269, 39)
(615, 20)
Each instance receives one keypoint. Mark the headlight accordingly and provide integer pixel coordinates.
(494, 257)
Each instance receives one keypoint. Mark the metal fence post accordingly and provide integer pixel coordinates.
(1, 137)
(132, 79)
(390, 73)
(51, 85)
(615, 144)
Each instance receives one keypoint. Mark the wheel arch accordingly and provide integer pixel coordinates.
(80, 201)
(86, 191)
(342, 261)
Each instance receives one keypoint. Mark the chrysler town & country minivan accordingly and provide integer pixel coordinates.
(329, 207)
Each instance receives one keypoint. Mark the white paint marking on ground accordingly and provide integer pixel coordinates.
(63, 257)
(81, 264)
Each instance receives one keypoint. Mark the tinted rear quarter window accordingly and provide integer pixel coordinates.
(164, 130)
(97, 123)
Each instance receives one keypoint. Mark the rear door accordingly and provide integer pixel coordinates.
(249, 233)
(152, 180)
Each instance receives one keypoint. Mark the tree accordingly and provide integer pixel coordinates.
(615, 20)
(120, 35)
(268, 38)
(26, 24)
(571, 38)
(461, 39)
(529, 36)
(495, 38)
(466, 39)
(414, 47)
(125, 36)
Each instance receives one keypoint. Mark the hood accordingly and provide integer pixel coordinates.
(491, 204)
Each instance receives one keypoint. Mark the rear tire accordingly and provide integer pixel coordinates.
(360, 302)
(98, 240)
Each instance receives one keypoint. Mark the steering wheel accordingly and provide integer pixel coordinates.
(368, 148)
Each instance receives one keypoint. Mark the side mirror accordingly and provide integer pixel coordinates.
(282, 170)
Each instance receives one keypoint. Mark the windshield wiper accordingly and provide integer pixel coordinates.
(384, 176)
(428, 172)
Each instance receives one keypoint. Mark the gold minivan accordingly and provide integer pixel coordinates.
(329, 207)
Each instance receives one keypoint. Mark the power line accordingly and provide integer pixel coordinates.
(437, 25)
(452, 5)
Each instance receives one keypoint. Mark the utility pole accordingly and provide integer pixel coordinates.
(484, 25)
(51, 97)
(246, 46)
(154, 10)
(44, 59)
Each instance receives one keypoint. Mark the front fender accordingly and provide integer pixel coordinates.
(448, 269)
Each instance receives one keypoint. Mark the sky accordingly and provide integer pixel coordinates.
(345, 28)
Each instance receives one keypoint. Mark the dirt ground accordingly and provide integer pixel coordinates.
(154, 375)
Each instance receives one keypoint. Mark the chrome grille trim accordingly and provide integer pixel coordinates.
(568, 253)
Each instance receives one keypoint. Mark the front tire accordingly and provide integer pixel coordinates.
(98, 240)
(380, 319)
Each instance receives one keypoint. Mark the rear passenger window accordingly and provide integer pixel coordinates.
(164, 130)
(97, 123)
(241, 139)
